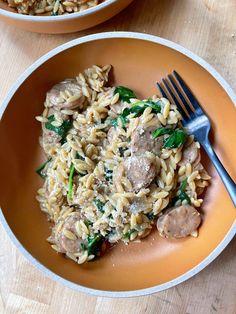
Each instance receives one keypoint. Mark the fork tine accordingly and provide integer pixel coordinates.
(189, 94)
(183, 113)
(162, 90)
(178, 92)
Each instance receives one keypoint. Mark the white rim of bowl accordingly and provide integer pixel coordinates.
(36, 18)
(133, 293)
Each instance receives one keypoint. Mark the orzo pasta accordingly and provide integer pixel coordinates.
(116, 166)
(53, 7)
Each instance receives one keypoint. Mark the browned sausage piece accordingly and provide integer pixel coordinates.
(190, 154)
(179, 222)
(54, 98)
(63, 242)
(112, 134)
(197, 164)
(140, 171)
(142, 141)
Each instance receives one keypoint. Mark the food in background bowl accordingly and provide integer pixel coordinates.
(55, 7)
(53, 16)
(116, 167)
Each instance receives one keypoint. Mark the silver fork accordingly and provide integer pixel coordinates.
(196, 122)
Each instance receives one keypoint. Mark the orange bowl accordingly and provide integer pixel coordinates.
(139, 61)
(64, 23)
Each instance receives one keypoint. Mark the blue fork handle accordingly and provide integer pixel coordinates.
(225, 177)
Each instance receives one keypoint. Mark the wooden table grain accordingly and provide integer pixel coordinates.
(208, 28)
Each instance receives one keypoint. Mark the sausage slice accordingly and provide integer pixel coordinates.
(142, 141)
(54, 97)
(65, 244)
(140, 171)
(179, 222)
(190, 154)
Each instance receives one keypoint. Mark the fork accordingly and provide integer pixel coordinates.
(195, 121)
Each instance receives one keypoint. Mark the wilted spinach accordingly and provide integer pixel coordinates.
(61, 130)
(40, 169)
(125, 93)
(175, 139)
(183, 196)
(70, 187)
(99, 204)
(94, 244)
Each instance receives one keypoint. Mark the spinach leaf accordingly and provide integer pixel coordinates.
(82, 174)
(99, 204)
(124, 120)
(182, 195)
(103, 120)
(151, 216)
(128, 233)
(78, 156)
(40, 169)
(180, 137)
(175, 140)
(88, 223)
(125, 93)
(70, 190)
(140, 106)
(156, 106)
(161, 131)
(60, 130)
(110, 232)
(114, 122)
(94, 244)
(83, 246)
(183, 185)
(126, 112)
(108, 174)
(122, 150)
(137, 108)
(54, 13)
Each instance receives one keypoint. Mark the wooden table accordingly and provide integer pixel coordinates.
(208, 28)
